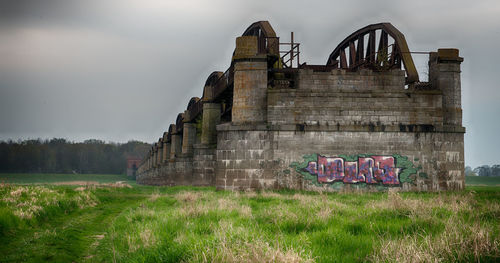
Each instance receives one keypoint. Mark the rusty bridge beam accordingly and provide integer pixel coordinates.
(400, 50)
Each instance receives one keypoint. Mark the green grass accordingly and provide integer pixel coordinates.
(23, 178)
(482, 180)
(172, 224)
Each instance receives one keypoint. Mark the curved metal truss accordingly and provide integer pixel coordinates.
(171, 130)
(212, 82)
(179, 122)
(194, 108)
(192, 103)
(260, 29)
(268, 42)
(213, 78)
(360, 49)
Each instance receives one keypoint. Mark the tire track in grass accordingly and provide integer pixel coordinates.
(70, 237)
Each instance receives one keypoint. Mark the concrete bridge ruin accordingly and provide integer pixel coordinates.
(363, 120)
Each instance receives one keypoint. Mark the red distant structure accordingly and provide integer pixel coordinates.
(132, 165)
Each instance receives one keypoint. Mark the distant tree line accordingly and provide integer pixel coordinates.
(62, 156)
(484, 170)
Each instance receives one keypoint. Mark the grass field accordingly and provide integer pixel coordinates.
(482, 180)
(112, 223)
(23, 178)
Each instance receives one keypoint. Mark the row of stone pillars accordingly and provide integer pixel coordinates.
(185, 158)
(181, 153)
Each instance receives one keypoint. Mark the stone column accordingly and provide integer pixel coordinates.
(159, 160)
(211, 117)
(444, 74)
(155, 153)
(166, 151)
(150, 159)
(150, 164)
(188, 138)
(175, 147)
(250, 82)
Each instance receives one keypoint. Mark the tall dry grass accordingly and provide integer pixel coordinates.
(236, 244)
(27, 202)
(193, 204)
(460, 241)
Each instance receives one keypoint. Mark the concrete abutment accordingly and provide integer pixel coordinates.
(333, 128)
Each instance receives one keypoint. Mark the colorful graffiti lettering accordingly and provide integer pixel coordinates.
(370, 170)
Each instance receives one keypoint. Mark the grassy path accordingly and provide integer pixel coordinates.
(191, 224)
(72, 237)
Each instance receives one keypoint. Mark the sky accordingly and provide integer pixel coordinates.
(118, 70)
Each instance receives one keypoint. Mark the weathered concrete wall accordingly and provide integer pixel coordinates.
(250, 158)
(204, 165)
(343, 98)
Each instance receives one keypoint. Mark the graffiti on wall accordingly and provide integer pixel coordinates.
(385, 170)
(370, 170)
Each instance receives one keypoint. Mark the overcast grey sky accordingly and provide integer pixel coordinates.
(120, 69)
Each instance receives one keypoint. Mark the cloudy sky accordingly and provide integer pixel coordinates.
(121, 69)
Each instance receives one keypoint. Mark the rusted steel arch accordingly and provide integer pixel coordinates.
(194, 108)
(268, 42)
(171, 130)
(179, 122)
(215, 79)
(192, 102)
(260, 29)
(212, 78)
(358, 59)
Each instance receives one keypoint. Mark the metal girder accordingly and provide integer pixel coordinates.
(213, 82)
(179, 124)
(171, 130)
(194, 108)
(260, 29)
(400, 51)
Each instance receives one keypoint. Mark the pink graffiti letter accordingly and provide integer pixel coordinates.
(351, 173)
(384, 170)
(330, 169)
(366, 170)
